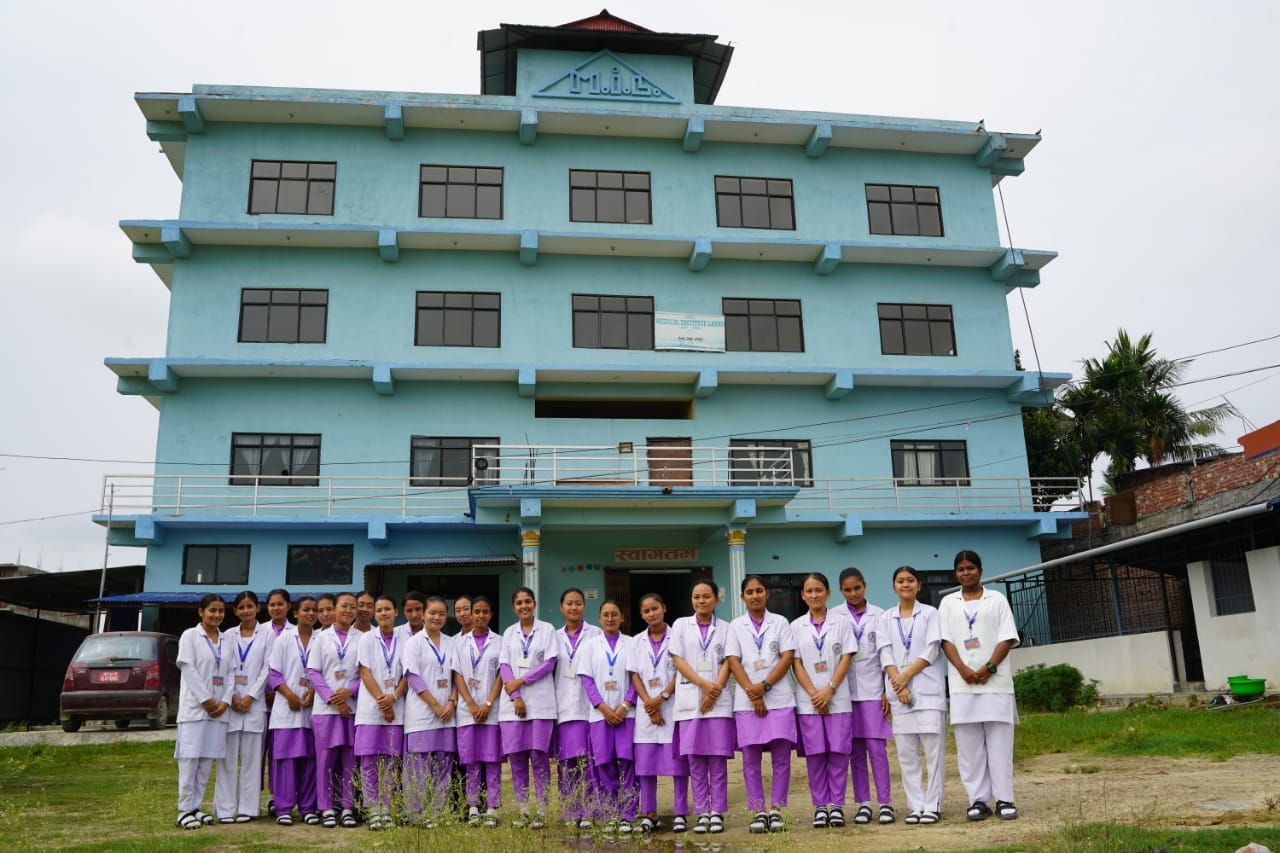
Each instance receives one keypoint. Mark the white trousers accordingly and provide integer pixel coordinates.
(919, 797)
(193, 778)
(237, 789)
(984, 752)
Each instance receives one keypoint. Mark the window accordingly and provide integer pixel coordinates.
(609, 197)
(754, 203)
(283, 186)
(458, 319)
(319, 564)
(765, 462)
(762, 325)
(904, 210)
(210, 565)
(916, 329)
(283, 316)
(460, 192)
(1232, 589)
(613, 322)
(614, 409)
(275, 459)
(446, 461)
(930, 463)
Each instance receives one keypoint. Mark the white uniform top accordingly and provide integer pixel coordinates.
(206, 674)
(866, 676)
(290, 658)
(921, 631)
(431, 663)
(338, 663)
(249, 676)
(975, 628)
(656, 675)
(705, 656)
(820, 651)
(571, 699)
(404, 631)
(609, 669)
(522, 654)
(478, 669)
(386, 666)
(760, 653)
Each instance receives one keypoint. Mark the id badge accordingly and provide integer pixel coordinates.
(860, 654)
(704, 665)
(655, 682)
(759, 665)
(242, 681)
(972, 643)
(611, 686)
(304, 682)
(473, 684)
(217, 681)
(523, 662)
(571, 672)
(388, 683)
(340, 675)
(442, 683)
(820, 666)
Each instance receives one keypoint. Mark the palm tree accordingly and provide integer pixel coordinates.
(1124, 407)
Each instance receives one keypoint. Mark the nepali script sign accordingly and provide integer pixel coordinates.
(689, 332)
(655, 555)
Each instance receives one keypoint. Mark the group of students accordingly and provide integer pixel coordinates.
(414, 708)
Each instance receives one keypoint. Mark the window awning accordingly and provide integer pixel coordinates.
(435, 562)
(138, 599)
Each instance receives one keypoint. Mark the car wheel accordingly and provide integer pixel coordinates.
(157, 721)
(122, 724)
(71, 724)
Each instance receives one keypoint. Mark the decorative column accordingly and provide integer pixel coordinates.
(737, 539)
(531, 541)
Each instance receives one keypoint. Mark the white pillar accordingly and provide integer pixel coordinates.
(530, 541)
(737, 539)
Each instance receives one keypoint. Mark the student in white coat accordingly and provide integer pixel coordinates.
(475, 673)
(603, 671)
(335, 675)
(237, 788)
(380, 713)
(760, 652)
(293, 754)
(527, 714)
(910, 642)
(978, 632)
(430, 741)
(654, 677)
(572, 740)
(203, 700)
(705, 733)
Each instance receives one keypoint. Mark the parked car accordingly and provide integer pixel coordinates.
(122, 676)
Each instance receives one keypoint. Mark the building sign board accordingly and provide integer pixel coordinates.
(690, 332)
(655, 555)
(606, 77)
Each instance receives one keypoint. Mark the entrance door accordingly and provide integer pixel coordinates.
(449, 587)
(627, 586)
(670, 461)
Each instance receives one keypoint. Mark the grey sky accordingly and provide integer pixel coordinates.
(1156, 182)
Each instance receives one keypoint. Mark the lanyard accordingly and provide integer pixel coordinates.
(439, 654)
(479, 640)
(304, 652)
(342, 644)
(757, 635)
(656, 654)
(573, 641)
(819, 634)
(906, 638)
(858, 628)
(972, 617)
(216, 649)
(527, 640)
(389, 650)
(710, 632)
(243, 651)
(611, 659)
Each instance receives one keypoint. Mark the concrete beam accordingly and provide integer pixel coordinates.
(528, 126)
(526, 381)
(389, 245)
(166, 131)
(743, 511)
(529, 248)
(189, 112)
(701, 255)
(839, 385)
(151, 253)
(996, 147)
(175, 242)
(1044, 527)
(378, 532)
(146, 530)
(1009, 167)
(828, 259)
(693, 132)
(393, 116)
(818, 141)
(161, 376)
(530, 510)
(706, 384)
(383, 383)
(852, 527)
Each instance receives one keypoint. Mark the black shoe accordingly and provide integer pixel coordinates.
(978, 811)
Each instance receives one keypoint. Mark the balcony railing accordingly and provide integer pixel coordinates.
(563, 467)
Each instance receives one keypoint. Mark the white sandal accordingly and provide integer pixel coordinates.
(189, 821)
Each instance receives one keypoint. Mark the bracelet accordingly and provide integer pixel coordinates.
(991, 668)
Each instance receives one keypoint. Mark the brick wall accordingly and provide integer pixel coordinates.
(1182, 483)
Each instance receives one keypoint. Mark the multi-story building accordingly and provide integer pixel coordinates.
(586, 328)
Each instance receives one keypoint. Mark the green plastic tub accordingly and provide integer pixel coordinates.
(1244, 687)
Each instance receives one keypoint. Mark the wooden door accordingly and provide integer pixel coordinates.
(670, 461)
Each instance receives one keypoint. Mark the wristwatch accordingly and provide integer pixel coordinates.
(665, 696)
(991, 668)
(767, 687)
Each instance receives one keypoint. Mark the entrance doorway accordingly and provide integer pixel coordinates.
(670, 462)
(627, 585)
(449, 587)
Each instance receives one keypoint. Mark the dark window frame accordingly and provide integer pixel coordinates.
(220, 552)
(1232, 586)
(448, 447)
(899, 333)
(460, 191)
(747, 471)
(747, 191)
(319, 190)
(760, 322)
(325, 577)
(433, 319)
(951, 462)
(242, 441)
(278, 308)
(905, 210)
(586, 193)
(605, 313)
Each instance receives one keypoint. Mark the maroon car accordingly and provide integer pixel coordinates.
(122, 676)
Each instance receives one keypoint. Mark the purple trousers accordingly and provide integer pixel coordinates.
(520, 764)
(492, 772)
(649, 794)
(616, 789)
(426, 782)
(295, 784)
(379, 779)
(575, 776)
(828, 774)
(873, 749)
(710, 777)
(753, 774)
(335, 768)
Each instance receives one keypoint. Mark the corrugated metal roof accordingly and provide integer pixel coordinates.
(429, 562)
(161, 598)
(606, 22)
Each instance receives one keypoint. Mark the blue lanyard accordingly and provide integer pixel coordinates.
(304, 653)
(389, 651)
(656, 656)
(342, 644)
(216, 649)
(527, 641)
(858, 628)
(819, 634)
(440, 656)
(971, 617)
(243, 651)
(705, 642)
(906, 638)
(574, 642)
(478, 653)
(611, 659)
(757, 636)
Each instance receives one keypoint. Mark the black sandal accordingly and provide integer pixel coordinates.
(1006, 810)
(863, 815)
(329, 819)
(978, 811)
(189, 821)
(886, 814)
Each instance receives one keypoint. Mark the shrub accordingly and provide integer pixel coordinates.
(1053, 688)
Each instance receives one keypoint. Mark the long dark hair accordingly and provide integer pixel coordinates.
(970, 556)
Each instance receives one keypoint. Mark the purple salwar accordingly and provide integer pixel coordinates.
(525, 735)
(427, 776)
(612, 753)
(379, 740)
(571, 745)
(378, 749)
(871, 733)
(335, 761)
(706, 736)
(824, 741)
(492, 772)
(479, 743)
(777, 724)
(659, 759)
(571, 740)
(753, 774)
(710, 777)
(520, 764)
(295, 783)
(649, 793)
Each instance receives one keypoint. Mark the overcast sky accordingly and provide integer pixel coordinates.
(1157, 180)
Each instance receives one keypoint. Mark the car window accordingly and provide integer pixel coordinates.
(104, 649)
(171, 651)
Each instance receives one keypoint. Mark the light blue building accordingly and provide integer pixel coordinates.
(587, 328)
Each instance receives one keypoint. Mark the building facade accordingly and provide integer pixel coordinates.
(586, 328)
